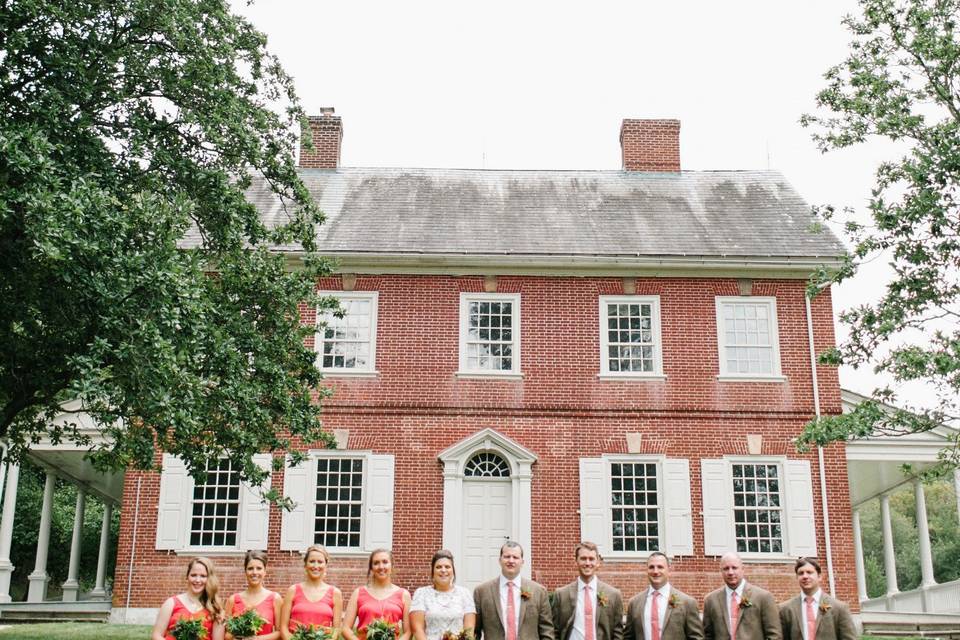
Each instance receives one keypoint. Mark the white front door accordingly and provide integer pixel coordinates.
(486, 526)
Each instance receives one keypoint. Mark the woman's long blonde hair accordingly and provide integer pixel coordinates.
(209, 598)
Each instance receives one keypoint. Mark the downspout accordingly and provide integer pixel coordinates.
(133, 548)
(823, 478)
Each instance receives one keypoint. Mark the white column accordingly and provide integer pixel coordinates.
(923, 531)
(39, 578)
(956, 489)
(858, 557)
(99, 593)
(889, 557)
(72, 585)
(6, 529)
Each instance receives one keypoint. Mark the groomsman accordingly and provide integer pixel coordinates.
(813, 615)
(739, 610)
(661, 612)
(587, 609)
(511, 608)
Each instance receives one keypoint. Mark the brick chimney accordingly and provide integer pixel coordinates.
(650, 145)
(326, 132)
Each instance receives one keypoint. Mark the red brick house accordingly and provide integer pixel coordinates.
(543, 356)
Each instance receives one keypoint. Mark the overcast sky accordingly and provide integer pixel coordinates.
(545, 85)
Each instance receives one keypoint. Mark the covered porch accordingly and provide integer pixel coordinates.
(67, 462)
(875, 468)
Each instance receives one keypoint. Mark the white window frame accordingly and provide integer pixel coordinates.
(465, 300)
(771, 303)
(300, 484)
(371, 369)
(797, 523)
(605, 372)
(175, 510)
(674, 513)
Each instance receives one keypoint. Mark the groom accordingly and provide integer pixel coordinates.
(512, 608)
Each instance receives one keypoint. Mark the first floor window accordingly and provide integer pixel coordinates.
(339, 502)
(216, 507)
(757, 510)
(634, 511)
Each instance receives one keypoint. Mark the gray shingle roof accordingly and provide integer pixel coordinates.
(559, 213)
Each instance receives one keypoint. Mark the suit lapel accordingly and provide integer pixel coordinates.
(571, 595)
(666, 614)
(523, 605)
(495, 594)
(724, 610)
(821, 613)
(642, 605)
(796, 607)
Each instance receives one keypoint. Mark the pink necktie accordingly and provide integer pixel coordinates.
(511, 613)
(654, 617)
(811, 620)
(734, 614)
(589, 632)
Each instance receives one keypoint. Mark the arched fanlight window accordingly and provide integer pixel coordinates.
(486, 465)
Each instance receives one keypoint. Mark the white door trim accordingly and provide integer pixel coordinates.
(521, 462)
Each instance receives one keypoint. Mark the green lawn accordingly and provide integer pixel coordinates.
(75, 631)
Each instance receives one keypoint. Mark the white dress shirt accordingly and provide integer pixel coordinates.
(516, 601)
(661, 609)
(739, 590)
(579, 631)
(803, 610)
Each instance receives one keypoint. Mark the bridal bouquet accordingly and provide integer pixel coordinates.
(245, 625)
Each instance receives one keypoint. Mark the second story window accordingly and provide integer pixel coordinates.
(489, 333)
(630, 336)
(748, 341)
(348, 344)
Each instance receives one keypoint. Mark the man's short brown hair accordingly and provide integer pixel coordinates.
(810, 561)
(590, 546)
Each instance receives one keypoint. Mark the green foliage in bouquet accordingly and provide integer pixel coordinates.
(245, 625)
(310, 632)
(465, 634)
(380, 629)
(189, 629)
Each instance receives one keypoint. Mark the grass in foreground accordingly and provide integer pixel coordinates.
(75, 631)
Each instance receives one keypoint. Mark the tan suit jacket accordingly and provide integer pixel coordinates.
(758, 621)
(834, 621)
(680, 622)
(536, 621)
(608, 617)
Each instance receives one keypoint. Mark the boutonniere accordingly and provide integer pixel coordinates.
(602, 599)
(745, 602)
(674, 601)
(824, 606)
(525, 593)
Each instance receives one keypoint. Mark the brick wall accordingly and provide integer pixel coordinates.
(417, 407)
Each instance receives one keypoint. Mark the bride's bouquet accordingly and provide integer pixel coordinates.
(245, 625)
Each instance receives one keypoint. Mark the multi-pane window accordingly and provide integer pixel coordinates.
(349, 343)
(629, 335)
(747, 329)
(635, 515)
(489, 333)
(339, 502)
(216, 507)
(757, 508)
(486, 465)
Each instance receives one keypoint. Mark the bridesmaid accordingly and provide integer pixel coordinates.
(379, 600)
(443, 606)
(313, 602)
(200, 600)
(256, 596)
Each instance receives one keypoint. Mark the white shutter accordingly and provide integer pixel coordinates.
(677, 511)
(176, 496)
(296, 525)
(717, 507)
(254, 511)
(378, 528)
(801, 525)
(594, 499)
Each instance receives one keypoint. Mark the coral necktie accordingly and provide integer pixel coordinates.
(734, 614)
(811, 620)
(511, 613)
(654, 616)
(589, 628)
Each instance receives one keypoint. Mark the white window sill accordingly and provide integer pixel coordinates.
(638, 377)
(491, 375)
(346, 373)
(211, 552)
(769, 558)
(773, 379)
